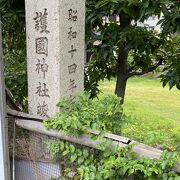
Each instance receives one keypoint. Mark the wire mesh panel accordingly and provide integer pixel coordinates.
(30, 158)
(25, 170)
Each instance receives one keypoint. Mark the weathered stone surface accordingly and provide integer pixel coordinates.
(55, 52)
(55, 57)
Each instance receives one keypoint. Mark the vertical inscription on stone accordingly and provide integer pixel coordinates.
(55, 55)
(72, 34)
(72, 39)
(42, 45)
(72, 15)
(42, 67)
(42, 109)
(55, 52)
(41, 21)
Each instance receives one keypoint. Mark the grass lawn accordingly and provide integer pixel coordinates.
(153, 111)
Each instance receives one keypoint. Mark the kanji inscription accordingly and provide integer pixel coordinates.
(42, 45)
(72, 85)
(42, 67)
(42, 90)
(72, 15)
(55, 52)
(55, 55)
(42, 109)
(72, 68)
(41, 21)
(72, 51)
(72, 34)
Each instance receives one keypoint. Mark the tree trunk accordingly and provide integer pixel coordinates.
(121, 75)
(121, 88)
(122, 64)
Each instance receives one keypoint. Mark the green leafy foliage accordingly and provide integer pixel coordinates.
(107, 161)
(171, 70)
(15, 58)
(120, 38)
(11, 7)
(14, 48)
(86, 114)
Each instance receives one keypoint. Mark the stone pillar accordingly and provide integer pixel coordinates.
(55, 56)
(55, 52)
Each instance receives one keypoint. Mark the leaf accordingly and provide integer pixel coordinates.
(61, 146)
(92, 176)
(80, 160)
(146, 3)
(65, 152)
(81, 171)
(73, 157)
(71, 148)
(85, 153)
(79, 152)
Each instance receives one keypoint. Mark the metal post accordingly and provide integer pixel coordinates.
(4, 153)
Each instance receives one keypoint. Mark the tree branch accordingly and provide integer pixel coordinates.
(11, 102)
(150, 69)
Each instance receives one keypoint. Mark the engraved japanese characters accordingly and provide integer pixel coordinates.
(55, 52)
